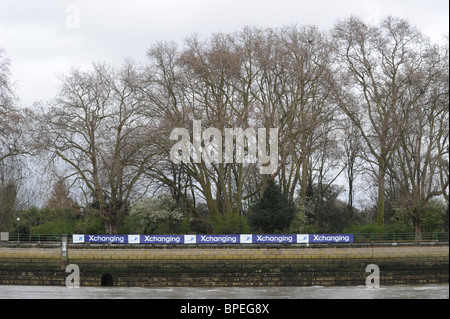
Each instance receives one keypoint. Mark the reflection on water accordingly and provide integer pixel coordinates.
(438, 291)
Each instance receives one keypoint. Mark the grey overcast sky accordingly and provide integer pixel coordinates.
(43, 38)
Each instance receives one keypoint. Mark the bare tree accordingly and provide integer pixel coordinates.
(11, 144)
(423, 142)
(99, 128)
(380, 62)
(10, 117)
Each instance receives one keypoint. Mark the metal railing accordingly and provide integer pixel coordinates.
(358, 237)
(34, 238)
(400, 237)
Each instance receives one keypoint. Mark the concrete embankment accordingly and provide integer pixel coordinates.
(225, 266)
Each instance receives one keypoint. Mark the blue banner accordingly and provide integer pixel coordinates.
(161, 239)
(274, 239)
(214, 239)
(104, 239)
(322, 238)
(218, 239)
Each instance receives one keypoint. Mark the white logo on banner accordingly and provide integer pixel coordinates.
(246, 239)
(134, 239)
(302, 239)
(77, 239)
(190, 239)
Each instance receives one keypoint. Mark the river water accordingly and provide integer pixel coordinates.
(437, 291)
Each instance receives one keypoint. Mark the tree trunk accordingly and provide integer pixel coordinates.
(418, 229)
(304, 175)
(381, 190)
(112, 224)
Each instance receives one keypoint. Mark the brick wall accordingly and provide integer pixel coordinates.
(303, 266)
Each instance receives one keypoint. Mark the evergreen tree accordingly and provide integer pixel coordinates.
(60, 197)
(273, 212)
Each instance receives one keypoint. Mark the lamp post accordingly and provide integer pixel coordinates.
(64, 255)
(18, 229)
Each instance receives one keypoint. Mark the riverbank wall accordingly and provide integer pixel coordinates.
(221, 266)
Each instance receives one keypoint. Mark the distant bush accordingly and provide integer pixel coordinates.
(373, 228)
(229, 224)
(200, 226)
(51, 221)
